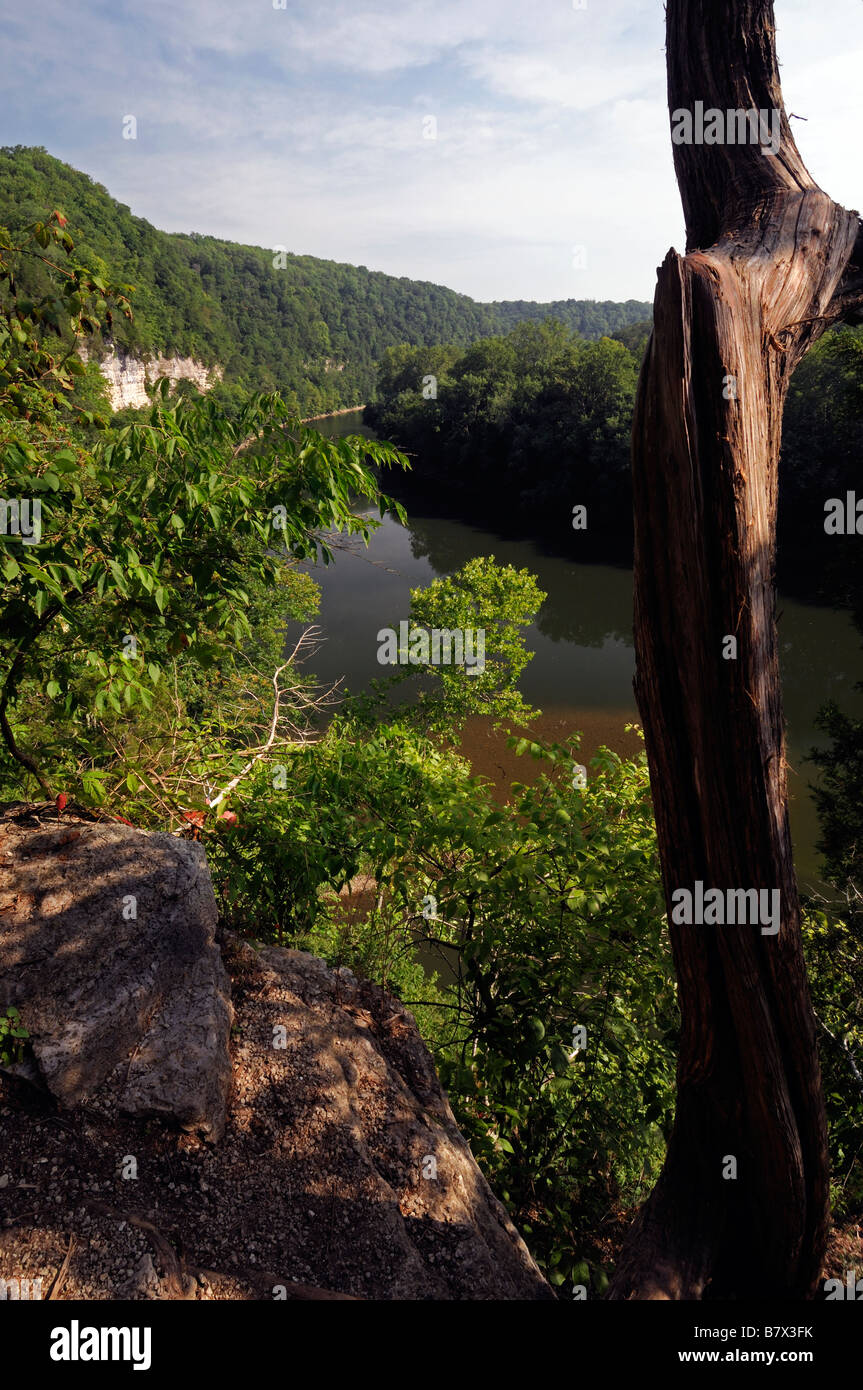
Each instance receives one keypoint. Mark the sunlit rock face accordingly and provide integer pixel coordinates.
(128, 377)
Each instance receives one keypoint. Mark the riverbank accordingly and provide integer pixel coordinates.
(331, 414)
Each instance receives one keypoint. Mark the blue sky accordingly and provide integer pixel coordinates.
(306, 127)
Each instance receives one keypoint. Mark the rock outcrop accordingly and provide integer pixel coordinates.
(340, 1171)
(107, 947)
(128, 376)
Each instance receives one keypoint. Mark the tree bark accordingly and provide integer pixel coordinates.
(771, 262)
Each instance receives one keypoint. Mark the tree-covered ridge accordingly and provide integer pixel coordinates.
(589, 318)
(536, 421)
(311, 328)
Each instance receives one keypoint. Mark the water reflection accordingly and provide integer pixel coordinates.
(583, 663)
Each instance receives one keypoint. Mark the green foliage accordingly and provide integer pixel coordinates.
(557, 912)
(589, 318)
(837, 795)
(833, 941)
(309, 328)
(155, 535)
(634, 336)
(157, 551)
(13, 1037)
(302, 831)
(823, 423)
(544, 915)
(496, 600)
(537, 420)
(39, 368)
(833, 936)
(822, 436)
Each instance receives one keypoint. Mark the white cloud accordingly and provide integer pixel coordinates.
(304, 127)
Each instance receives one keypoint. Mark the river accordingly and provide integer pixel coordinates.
(583, 663)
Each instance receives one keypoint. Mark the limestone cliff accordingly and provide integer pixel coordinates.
(128, 376)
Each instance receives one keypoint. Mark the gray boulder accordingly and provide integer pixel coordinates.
(107, 948)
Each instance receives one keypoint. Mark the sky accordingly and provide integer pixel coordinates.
(510, 149)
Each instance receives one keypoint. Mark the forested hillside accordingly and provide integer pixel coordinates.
(589, 318)
(311, 328)
(536, 421)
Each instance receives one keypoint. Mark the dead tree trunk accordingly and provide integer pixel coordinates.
(771, 262)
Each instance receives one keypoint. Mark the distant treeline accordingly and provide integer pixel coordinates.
(530, 424)
(312, 329)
